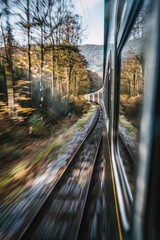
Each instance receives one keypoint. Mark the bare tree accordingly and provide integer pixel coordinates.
(25, 24)
(7, 38)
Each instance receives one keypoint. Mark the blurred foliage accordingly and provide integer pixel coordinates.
(37, 125)
(9, 153)
(50, 64)
(61, 106)
(131, 109)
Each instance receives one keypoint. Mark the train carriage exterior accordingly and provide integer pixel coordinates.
(131, 104)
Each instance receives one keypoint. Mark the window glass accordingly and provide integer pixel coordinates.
(123, 5)
(132, 84)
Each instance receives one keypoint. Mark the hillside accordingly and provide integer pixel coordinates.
(94, 56)
(95, 80)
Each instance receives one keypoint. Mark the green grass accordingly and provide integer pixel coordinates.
(13, 194)
(84, 119)
(127, 125)
(5, 180)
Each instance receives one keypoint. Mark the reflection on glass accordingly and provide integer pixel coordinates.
(132, 84)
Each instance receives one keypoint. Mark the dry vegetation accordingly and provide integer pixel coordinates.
(24, 154)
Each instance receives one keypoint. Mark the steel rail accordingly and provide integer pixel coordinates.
(88, 189)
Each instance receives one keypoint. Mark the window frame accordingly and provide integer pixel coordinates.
(125, 205)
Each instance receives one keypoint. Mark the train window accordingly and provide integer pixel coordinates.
(132, 84)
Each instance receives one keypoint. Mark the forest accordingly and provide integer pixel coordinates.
(40, 59)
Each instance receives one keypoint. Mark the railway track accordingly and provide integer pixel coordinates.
(94, 224)
(61, 214)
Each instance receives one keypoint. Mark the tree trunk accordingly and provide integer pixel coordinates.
(8, 68)
(129, 87)
(41, 71)
(29, 52)
(75, 84)
(69, 79)
(53, 84)
(10, 91)
(134, 83)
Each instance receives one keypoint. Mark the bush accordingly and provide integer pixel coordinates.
(6, 136)
(132, 112)
(62, 107)
(10, 152)
(37, 124)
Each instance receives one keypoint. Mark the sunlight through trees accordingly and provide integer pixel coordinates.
(39, 53)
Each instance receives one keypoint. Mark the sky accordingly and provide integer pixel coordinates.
(92, 12)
